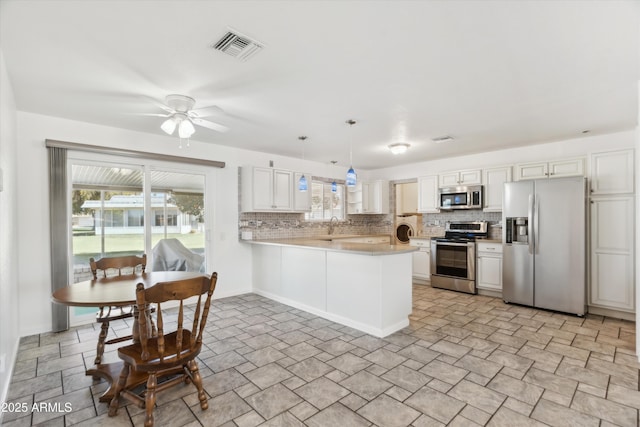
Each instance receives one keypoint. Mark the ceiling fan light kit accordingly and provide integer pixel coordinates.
(181, 115)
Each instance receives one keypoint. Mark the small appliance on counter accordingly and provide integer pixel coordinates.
(453, 257)
(544, 241)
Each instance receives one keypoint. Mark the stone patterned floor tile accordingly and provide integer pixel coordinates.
(388, 412)
(444, 372)
(406, 378)
(337, 415)
(284, 420)
(222, 409)
(523, 391)
(385, 358)
(366, 385)
(463, 360)
(605, 409)
(436, 405)
(560, 416)
(272, 401)
(322, 392)
(268, 375)
(506, 417)
(478, 396)
(310, 369)
(349, 363)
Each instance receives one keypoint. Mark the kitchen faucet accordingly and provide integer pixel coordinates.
(332, 224)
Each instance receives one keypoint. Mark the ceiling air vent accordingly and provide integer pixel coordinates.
(237, 45)
(443, 139)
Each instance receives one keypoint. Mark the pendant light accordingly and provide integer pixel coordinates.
(302, 182)
(351, 173)
(334, 184)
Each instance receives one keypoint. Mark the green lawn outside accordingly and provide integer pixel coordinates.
(85, 247)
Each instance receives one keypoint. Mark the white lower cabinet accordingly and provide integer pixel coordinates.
(489, 266)
(421, 267)
(612, 253)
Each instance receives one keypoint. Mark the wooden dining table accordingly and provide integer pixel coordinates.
(116, 291)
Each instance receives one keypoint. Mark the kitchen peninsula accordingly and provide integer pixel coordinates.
(361, 285)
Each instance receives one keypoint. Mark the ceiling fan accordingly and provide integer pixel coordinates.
(181, 115)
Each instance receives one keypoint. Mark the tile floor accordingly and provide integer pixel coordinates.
(464, 361)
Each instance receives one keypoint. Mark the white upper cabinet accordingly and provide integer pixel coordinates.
(406, 198)
(266, 189)
(553, 169)
(493, 180)
(428, 194)
(612, 172)
(465, 177)
(368, 197)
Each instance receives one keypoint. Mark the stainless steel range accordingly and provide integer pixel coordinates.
(453, 257)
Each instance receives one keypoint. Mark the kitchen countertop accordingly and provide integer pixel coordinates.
(336, 245)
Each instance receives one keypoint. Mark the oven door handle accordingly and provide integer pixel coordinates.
(454, 244)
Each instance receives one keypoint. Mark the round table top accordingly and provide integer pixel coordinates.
(114, 291)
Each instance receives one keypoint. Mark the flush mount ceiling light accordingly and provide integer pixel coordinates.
(399, 148)
(351, 173)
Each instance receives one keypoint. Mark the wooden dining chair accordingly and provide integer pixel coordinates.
(108, 267)
(166, 354)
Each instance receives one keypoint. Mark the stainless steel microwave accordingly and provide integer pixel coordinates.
(471, 197)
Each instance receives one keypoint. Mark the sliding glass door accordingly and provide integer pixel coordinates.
(119, 209)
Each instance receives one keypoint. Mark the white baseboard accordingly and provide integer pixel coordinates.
(376, 332)
(616, 314)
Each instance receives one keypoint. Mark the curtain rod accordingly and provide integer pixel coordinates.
(51, 143)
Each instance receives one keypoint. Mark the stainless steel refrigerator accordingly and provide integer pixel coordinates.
(544, 244)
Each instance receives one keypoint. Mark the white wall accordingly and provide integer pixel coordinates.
(9, 337)
(231, 259)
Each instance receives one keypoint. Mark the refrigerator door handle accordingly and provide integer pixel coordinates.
(536, 228)
(530, 223)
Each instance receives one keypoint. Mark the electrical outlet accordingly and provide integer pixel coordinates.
(2, 362)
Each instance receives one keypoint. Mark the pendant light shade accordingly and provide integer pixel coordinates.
(169, 126)
(302, 182)
(352, 178)
(351, 173)
(186, 129)
(334, 184)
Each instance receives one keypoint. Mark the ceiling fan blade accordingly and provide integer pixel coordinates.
(206, 111)
(153, 114)
(210, 125)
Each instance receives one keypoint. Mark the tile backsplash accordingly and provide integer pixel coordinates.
(433, 223)
(278, 225)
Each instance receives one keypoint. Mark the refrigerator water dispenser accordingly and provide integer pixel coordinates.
(517, 230)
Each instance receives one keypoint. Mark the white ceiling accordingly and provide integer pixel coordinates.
(492, 74)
